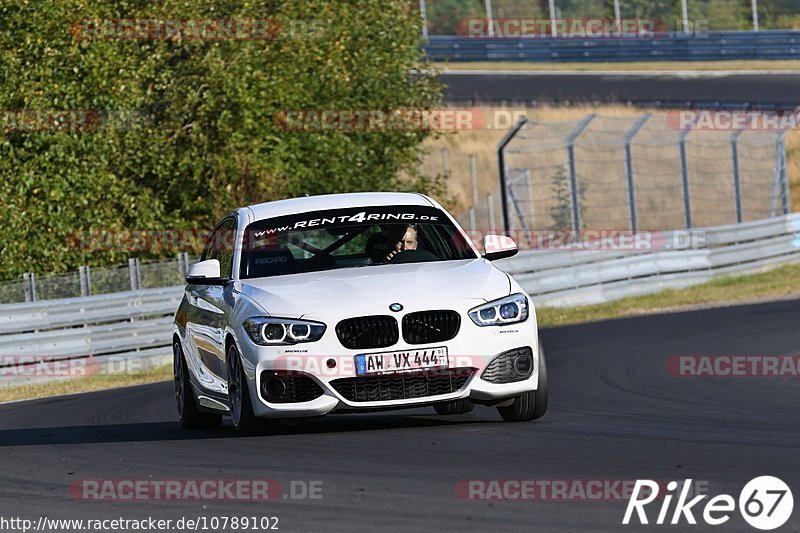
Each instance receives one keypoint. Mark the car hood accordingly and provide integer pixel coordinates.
(370, 290)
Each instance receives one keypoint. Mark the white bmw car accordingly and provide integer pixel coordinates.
(348, 303)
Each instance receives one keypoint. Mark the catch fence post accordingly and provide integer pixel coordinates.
(787, 200)
(501, 163)
(737, 184)
(574, 191)
(687, 199)
(629, 169)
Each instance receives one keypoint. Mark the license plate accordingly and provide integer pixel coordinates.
(402, 361)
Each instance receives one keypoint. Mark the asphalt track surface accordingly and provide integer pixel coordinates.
(768, 90)
(615, 414)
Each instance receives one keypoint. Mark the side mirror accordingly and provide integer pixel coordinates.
(205, 273)
(498, 247)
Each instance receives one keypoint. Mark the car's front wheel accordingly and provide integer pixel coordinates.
(190, 416)
(244, 420)
(529, 405)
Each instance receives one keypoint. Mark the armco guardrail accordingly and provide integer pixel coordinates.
(581, 277)
(727, 45)
(120, 331)
(108, 333)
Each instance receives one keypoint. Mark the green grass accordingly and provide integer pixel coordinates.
(781, 282)
(623, 66)
(778, 283)
(86, 384)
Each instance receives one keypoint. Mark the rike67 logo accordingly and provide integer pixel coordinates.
(765, 503)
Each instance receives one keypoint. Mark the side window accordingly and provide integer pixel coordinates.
(220, 246)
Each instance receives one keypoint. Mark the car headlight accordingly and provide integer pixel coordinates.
(272, 331)
(508, 310)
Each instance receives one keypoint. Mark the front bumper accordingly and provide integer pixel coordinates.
(469, 352)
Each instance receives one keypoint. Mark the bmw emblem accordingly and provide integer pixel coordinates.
(396, 307)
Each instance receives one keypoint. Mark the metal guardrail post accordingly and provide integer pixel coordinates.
(573, 176)
(687, 198)
(685, 16)
(132, 273)
(29, 280)
(629, 168)
(133, 269)
(501, 162)
(86, 280)
(489, 17)
(755, 15)
(424, 14)
(737, 185)
(787, 199)
(183, 264)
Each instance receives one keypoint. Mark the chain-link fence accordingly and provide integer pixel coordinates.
(162, 273)
(53, 287)
(450, 17)
(12, 291)
(98, 280)
(628, 173)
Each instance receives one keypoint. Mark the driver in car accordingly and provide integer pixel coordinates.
(408, 241)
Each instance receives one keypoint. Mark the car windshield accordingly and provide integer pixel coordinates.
(347, 238)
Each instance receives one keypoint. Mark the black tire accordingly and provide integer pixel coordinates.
(189, 414)
(530, 405)
(239, 400)
(456, 407)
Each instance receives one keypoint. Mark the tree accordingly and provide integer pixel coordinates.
(185, 128)
(446, 17)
